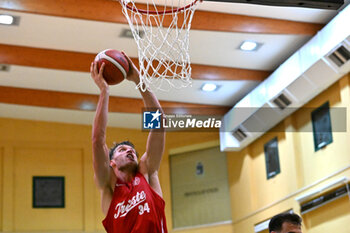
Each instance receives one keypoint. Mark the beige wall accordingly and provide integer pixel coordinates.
(32, 161)
(338, 96)
(334, 217)
(206, 208)
(38, 148)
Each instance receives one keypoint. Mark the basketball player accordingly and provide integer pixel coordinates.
(285, 223)
(131, 196)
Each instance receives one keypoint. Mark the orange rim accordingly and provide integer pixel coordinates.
(147, 12)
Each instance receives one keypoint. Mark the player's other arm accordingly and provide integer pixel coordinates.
(150, 161)
(100, 157)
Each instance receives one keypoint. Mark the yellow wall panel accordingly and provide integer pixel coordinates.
(37, 131)
(239, 167)
(285, 182)
(42, 161)
(1, 185)
(7, 195)
(330, 158)
(333, 217)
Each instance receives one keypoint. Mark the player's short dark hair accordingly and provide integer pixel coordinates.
(111, 151)
(277, 221)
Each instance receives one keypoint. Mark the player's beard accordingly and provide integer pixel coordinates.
(134, 167)
(131, 166)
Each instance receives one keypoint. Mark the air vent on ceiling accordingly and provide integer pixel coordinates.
(127, 33)
(239, 134)
(340, 56)
(4, 67)
(282, 101)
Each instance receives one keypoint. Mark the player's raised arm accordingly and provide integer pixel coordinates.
(156, 138)
(99, 148)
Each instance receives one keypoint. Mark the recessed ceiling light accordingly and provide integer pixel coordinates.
(249, 46)
(209, 87)
(87, 105)
(6, 19)
(9, 20)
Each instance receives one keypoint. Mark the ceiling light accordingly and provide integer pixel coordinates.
(249, 46)
(6, 19)
(209, 87)
(87, 105)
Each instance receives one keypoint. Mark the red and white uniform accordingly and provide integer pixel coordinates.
(135, 208)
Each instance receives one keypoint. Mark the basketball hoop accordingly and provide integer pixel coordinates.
(161, 33)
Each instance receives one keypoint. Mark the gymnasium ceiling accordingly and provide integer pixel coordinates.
(48, 55)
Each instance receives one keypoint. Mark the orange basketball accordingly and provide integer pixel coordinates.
(116, 65)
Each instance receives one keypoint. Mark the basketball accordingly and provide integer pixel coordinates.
(116, 65)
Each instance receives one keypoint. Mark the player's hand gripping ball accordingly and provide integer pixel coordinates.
(116, 65)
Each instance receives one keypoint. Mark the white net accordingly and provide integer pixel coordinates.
(161, 33)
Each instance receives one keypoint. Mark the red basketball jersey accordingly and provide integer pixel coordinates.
(135, 208)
